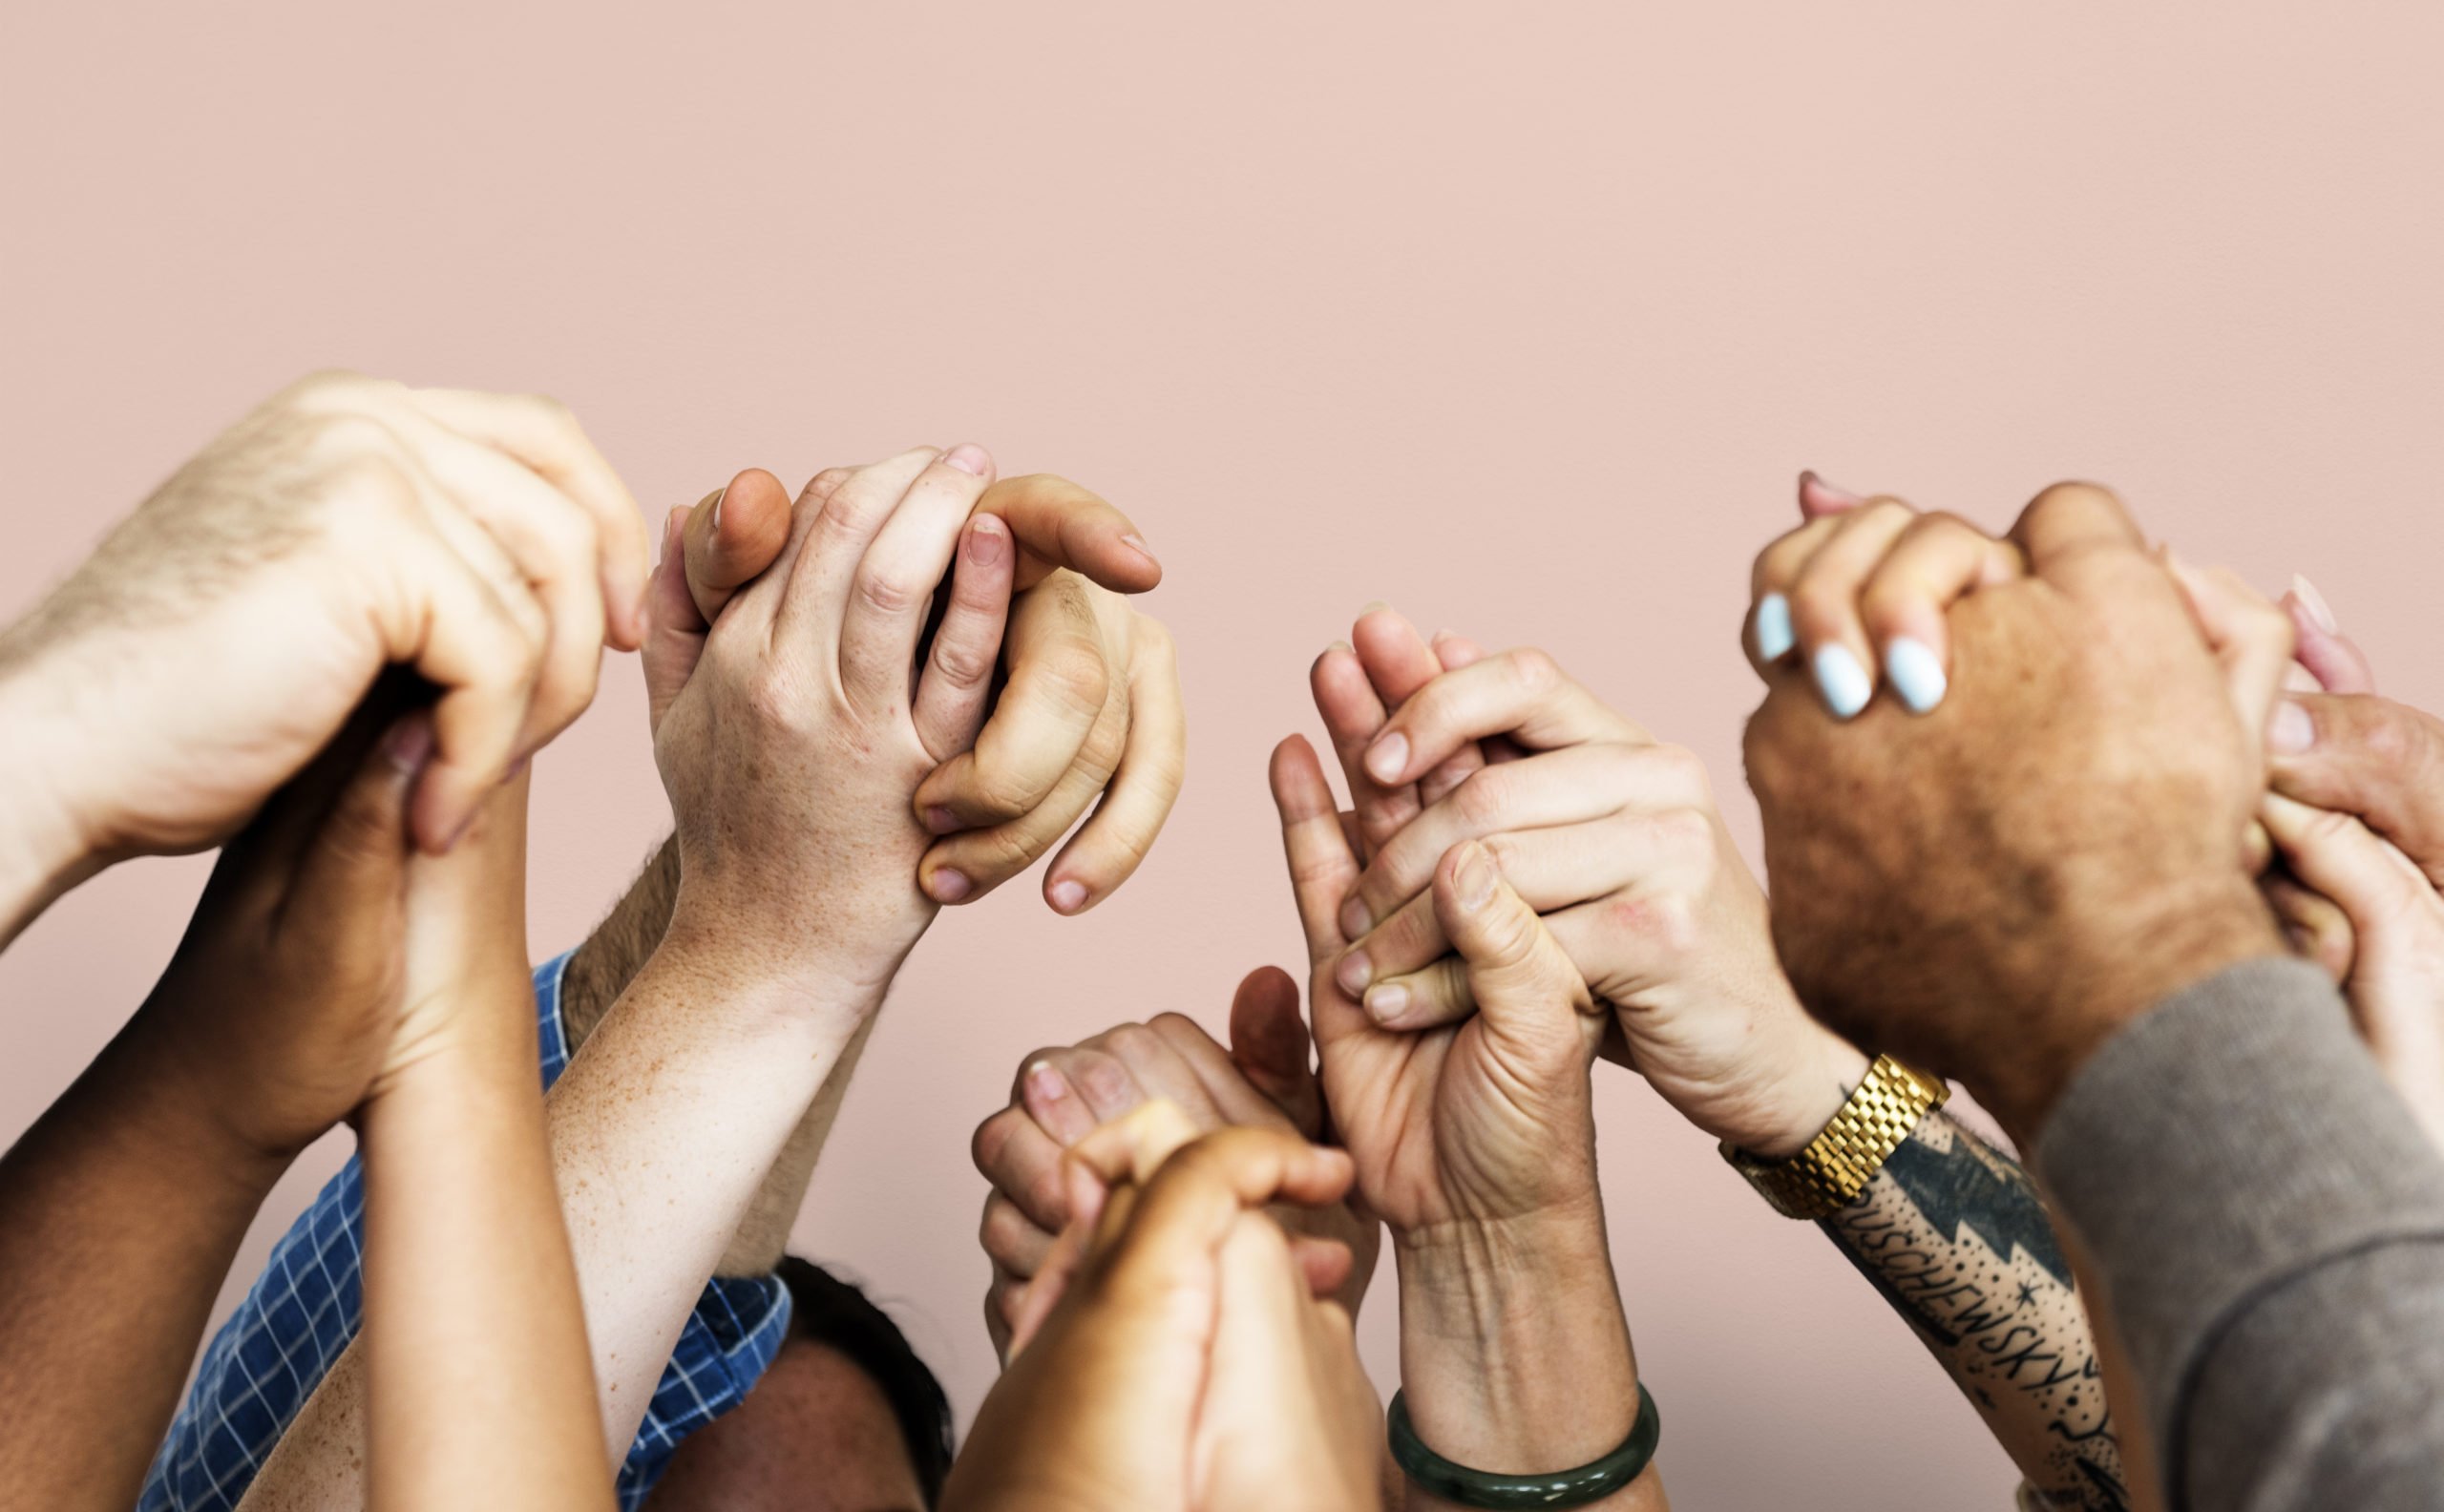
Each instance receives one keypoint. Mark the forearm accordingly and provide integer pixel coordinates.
(662, 1130)
(476, 1363)
(1955, 1237)
(763, 1236)
(602, 968)
(2268, 1220)
(119, 1213)
(1514, 1352)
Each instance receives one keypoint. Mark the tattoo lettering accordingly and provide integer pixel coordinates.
(1956, 1239)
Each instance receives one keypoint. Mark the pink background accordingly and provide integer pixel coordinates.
(1521, 317)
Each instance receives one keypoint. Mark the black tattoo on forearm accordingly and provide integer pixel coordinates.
(1957, 1240)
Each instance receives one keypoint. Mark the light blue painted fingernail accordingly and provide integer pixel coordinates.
(1845, 682)
(1917, 674)
(1773, 626)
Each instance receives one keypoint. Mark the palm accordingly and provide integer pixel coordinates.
(1471, 1122)
(1445, 1126)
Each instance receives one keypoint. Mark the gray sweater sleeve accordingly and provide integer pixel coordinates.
(2268, 1225)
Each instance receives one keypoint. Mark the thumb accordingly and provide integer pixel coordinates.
(733, 535)
(1525, 986)
(1269, 1044)
(674, 629)
(355, 865)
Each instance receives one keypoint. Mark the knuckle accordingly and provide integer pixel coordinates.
(1680, 772)
(1075, 676)
(1483, 796)
(963, 661)
(991, 1141)
(887, 594)
(1131, 1042)
(2075, 492)
(1533, 669)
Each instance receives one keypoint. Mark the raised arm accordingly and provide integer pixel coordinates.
(796, 904)
(120, 1208)
(1618, 839)
(1475, 1142)
(479, 1385)
(2062, 915)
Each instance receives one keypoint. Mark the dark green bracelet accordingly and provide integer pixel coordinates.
(1562, 1488)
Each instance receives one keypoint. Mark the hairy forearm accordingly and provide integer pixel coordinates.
(119, 1213)
(1956, 1239)
(1514, 1352)
(661, 1131)
(663, 1128)
(601, 969)
(476, 1363)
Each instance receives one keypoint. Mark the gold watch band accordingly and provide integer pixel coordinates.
(1828, 1175)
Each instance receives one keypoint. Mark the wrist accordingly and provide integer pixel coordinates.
(754, 973)
(1816, 1074)
(44, 844)
(1515, 1356)
(180, 1116)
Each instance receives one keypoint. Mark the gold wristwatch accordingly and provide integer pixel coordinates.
(1828, 1175)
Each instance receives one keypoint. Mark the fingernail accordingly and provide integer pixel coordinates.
(1045, 1084)
(987, 539)
(1916, 673)
(1342, 645)
(717, 508)
(940, 820)
(1372, 606)
(1068, 895)
(969, 458)
(2292, 730)
(409, 743)
(1387, 1002)
(1843, 681)
(1810, 481)
(1355, 920)
(2315, 603)
(1137, 543)
(949, 886)
(1388, 755)
(1353, 973)
(1774, 636)
(1473, 882)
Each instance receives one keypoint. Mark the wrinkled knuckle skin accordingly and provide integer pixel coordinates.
(1075, 676)
(1483, 796)
(887, 595)
(962, 663)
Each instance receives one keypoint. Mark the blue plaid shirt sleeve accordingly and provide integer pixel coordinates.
(267, 1360)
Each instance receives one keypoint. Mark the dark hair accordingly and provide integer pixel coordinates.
(828, 1311)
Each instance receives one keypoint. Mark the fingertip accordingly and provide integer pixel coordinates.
(1818, 498)
(969, 458)
(1470, 869)
(1066, 897)
(947, 885)
(1387, 759)
(1916, 673)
